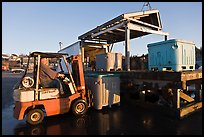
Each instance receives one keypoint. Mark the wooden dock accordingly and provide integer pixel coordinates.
(173, 87)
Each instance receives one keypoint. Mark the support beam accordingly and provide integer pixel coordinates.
(107, 30)
(144, 23)
(127, 47)
(146, 29)
(110, 31)
(159, 20)
(178, 98)
(110, 47)
(120, 30)
(140, 14)
(165, 37)
(82, 55)
(187, 110)
(186, 97)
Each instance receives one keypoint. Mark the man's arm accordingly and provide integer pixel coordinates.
(51, 73)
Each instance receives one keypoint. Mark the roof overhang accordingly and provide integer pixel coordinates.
(140, 23)
(47, 54)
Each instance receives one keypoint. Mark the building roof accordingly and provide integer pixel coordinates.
(140, 23)
(5, 56)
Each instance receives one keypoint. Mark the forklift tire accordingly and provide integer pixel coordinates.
(35, 116)
(79, 107)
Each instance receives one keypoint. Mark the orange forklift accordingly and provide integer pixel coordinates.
(35, 102)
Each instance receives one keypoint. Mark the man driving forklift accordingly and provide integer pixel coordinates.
(49, 77)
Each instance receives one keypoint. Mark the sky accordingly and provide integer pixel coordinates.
(40, 26)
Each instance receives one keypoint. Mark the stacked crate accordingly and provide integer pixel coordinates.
(105, 89)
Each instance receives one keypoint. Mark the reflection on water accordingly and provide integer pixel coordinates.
(130, 118)
(94, 122)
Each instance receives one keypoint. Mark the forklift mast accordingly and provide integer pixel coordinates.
(78, 74)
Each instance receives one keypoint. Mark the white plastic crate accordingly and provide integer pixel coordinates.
(105, 89)
(109, 61)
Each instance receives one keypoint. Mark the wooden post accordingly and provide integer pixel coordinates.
(108, 48)
(198, 93)
(127, 47)
(82, 55)
(178, 98)
(184, 85)
(165, 37)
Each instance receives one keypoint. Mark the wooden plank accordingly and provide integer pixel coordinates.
(186, 97)
(159, 20)
(190, 109)
(191, 75)
(109, 29)
(138, 17)
(144, 23)
(184, 85)
(142, 13)
(149, 75)
(178, 99)
(120, 30)
(146, 29)
(89, 44)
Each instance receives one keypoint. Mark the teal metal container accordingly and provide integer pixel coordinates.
(174, 54)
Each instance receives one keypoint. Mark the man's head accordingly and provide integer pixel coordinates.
(44, 61)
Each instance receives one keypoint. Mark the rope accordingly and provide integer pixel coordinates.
(146, 4)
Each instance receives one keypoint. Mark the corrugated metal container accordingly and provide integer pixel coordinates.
(109, 61)
(174, 54)
(105, 89)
